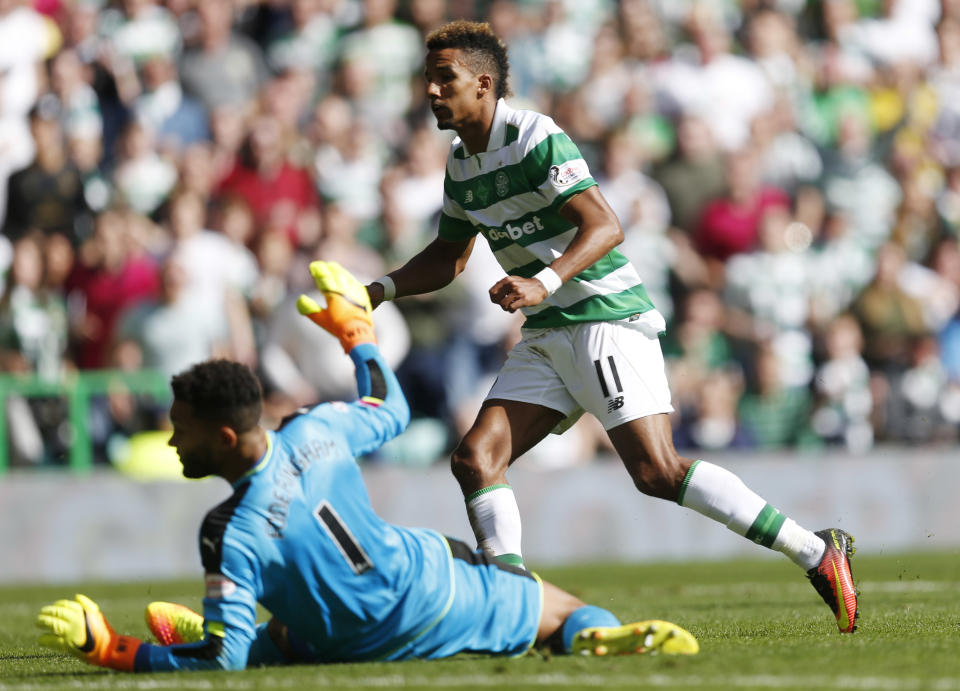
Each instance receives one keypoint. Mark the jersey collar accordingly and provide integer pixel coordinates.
(498, 130)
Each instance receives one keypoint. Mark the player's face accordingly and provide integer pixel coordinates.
(452, 88)
(192, 439)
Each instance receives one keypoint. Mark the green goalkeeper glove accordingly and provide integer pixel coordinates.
(347, 315)
(79, 628)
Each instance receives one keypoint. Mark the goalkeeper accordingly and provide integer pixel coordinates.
(299, 537)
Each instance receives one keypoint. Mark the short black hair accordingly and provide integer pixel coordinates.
(221, 391)
(484, 51)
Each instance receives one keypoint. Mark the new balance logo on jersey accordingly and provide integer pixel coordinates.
(516, 232)
(615, 404)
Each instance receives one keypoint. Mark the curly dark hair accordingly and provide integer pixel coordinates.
(221, 391)
(483, 50)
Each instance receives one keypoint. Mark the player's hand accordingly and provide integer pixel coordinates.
(347, 315)
(79, 628)
(513, 292)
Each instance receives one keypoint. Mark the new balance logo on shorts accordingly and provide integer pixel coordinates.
(617, 402)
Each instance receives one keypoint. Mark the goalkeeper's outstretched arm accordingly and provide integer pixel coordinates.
(382, 412)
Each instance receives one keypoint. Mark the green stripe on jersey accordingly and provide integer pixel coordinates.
(766, 526)
(482, 190)
(451, 228)
(610, 307)
(611, 262)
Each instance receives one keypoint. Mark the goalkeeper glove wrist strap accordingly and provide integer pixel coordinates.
(119, 653)
(355, 332)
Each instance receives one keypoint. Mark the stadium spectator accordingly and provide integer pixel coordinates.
(732, 89)
(48, 194)
(309, 41)
(854, 182)
(142, 177)
(892, 318)
(694, 175)
(350, 171)
(223, 68)
(788, 159)
(380, 57)
(275, 189)
(79, 104)
(775, 414)
(33, 339)
(218, 273)
(26, 38)
(173, 331)
(112, 273)
(176, 120)
(844, 403)
(730, 224)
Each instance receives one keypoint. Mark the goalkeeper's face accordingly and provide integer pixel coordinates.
(195, 440)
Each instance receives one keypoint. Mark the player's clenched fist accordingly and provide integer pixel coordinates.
(514, 292)
(347, 314)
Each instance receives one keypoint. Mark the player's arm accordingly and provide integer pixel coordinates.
(382, 411)
(431, 269)
(598, 232)
(224, 636)
(79, 628)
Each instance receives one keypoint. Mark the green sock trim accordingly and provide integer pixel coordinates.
(471, 497)
(686, 481)
(766, 526)
(511, 559)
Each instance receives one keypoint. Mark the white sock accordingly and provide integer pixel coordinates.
(719, 494)
(801, 545)
(495, 519)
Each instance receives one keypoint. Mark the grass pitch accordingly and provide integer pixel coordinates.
(760, 626)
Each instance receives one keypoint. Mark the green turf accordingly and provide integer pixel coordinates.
(760, 626)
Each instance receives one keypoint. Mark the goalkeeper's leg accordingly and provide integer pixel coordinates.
(569, 626)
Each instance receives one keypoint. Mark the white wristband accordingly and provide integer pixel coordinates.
(389, 287)
(550, 280)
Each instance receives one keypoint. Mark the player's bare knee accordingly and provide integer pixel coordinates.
(661, 478)
(469, 466)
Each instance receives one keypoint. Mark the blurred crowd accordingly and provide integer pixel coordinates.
(787, 174)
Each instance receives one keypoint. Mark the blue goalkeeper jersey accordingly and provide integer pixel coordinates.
(300, 537)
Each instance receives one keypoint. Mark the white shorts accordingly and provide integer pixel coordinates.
(613, 370)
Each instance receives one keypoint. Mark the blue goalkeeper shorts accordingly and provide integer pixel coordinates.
(496, 610)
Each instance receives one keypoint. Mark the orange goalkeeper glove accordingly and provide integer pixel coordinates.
(347, 315)
(78, 627)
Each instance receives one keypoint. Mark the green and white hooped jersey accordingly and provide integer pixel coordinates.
(512, 193)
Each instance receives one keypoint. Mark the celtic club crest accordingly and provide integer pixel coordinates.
(502, 183)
